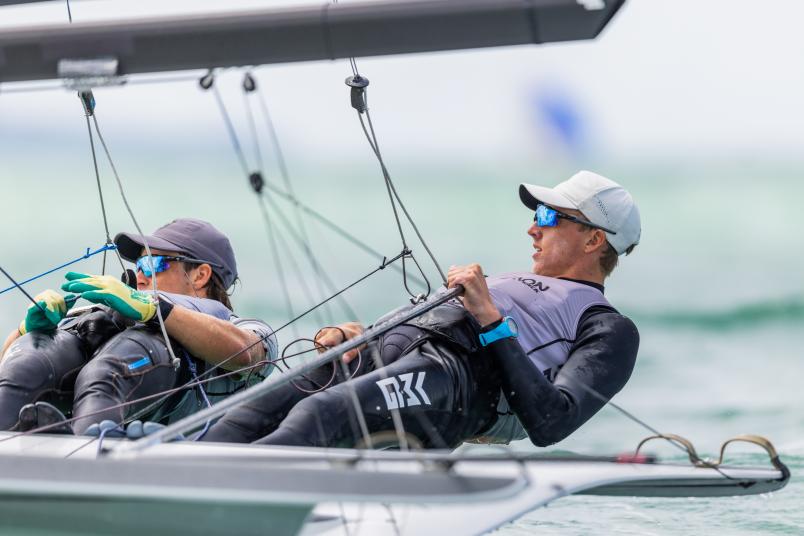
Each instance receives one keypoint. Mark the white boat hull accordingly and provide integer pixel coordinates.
(209, 488)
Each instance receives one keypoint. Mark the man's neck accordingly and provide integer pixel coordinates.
(593, 276)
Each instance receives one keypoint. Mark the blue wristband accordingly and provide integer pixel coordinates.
(506, 329)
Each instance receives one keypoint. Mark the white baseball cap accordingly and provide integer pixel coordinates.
(601, 200)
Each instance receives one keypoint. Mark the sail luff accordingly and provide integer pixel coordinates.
(282, 35)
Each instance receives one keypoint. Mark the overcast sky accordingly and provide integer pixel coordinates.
(673, 77)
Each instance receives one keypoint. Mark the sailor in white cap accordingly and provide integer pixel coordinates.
(526, 354)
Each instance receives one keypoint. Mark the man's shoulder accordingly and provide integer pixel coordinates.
(607, 319)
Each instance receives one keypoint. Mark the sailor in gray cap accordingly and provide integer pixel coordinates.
(114, 352)
(525, 354)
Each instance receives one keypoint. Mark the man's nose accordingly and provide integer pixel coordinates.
(534, 230)
(142, 280)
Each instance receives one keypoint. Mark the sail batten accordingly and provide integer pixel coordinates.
(328, 31)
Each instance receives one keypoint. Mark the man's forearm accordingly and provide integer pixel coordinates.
(214, 340)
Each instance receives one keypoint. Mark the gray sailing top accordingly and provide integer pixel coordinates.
(220, 388)
(547, 311)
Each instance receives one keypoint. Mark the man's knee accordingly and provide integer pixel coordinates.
(132, 363)
(40, 360)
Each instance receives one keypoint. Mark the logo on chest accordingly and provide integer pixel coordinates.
(535, 286)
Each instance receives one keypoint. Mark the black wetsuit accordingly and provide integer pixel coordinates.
(446, 387)
(97, 360)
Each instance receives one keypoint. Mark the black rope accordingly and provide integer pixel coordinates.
(591, 390)
(283, 172)
(207, 82)
(269, 229)
(371, 137)
(25, 292)
(256, 183)
(249, 86)
(241, 157)
(88, 104)
(204, 377)
(399, 199)
(359, 101)
(123, 196)
(294, 264)
(100, 191)
(317, 268)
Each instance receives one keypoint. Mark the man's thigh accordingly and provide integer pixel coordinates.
(131, 365)
(418, 388)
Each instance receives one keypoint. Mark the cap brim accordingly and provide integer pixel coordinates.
(130, 245)
(531, 195)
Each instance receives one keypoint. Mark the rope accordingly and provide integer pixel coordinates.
(203, 378)
(250, 86)
(194, 375)
(17, 285)
(317, 268)
(357, 94)
(257, 183)
(269, 229)
(393, 195)
(139, 230)
(257, 186)
(88, 254)
(207, 83)
(692, 454)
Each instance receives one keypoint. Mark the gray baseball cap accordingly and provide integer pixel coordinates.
(195, 238)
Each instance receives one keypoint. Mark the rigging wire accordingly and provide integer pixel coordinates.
(693, 455)
(250, 87)
(269, 228)
(360, 103)
(299, 240)
(207, 82)
(256, 181)
(88, 104)
(25, 292)
(205, 376)
(161, 320)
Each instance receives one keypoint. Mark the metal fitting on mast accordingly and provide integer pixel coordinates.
(83, 74)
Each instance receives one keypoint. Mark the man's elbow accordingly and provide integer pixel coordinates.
(545, 438)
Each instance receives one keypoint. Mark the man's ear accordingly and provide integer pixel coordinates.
(595, 241)
(202, 276)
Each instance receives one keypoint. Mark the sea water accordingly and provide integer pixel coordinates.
(715, 287)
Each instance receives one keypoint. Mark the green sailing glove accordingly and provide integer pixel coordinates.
(110, 291)
(50, 309)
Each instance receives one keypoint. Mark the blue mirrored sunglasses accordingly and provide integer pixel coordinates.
(156, 264)
(548, 217)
